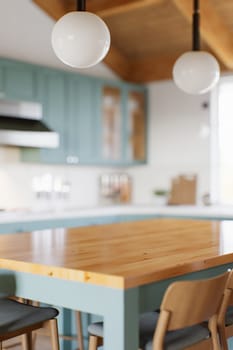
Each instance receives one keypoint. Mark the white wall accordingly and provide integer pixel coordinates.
(178, 141)
(17, 184)
(25, 34)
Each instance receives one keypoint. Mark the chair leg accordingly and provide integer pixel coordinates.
(94, 342)
(0, 345)
(223, 338)
(27, 341)
(79, 330)
(54, 334)
(214, 333)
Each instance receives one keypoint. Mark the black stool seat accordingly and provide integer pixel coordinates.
(15, 316)
(174, 340)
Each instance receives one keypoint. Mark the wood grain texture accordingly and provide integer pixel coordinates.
(119, 255)
(216, 33)
(54, 8)
(105, 8)
(147, 36)
(126, 7)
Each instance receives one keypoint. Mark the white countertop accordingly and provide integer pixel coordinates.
(215, 212)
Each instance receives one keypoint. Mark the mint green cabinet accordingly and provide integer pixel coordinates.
(122, 123)
(109, 123)
(52, 97)
(99, 121)
(2, 92)
(69, 108)
(81, 119)
(51, 94)
(18, 81)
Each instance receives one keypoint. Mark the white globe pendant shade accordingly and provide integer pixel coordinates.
(196, 72)
(80, 39)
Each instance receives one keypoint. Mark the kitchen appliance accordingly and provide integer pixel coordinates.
(21, 125)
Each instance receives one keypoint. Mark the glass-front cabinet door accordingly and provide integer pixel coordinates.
(123, 124)
(111, 124)
(137, 126)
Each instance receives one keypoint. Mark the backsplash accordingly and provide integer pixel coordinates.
(38, 187)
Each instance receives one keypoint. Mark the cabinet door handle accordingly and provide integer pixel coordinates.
(72, 160)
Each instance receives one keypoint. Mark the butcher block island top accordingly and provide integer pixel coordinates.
(121, 255)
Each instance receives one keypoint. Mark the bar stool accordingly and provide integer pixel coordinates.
(179, 325)
(17, 318)
(79, 329)
(78, 318)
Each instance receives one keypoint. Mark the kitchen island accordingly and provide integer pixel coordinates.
(116, 270)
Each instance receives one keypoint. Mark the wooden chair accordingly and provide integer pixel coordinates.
(79, 327)
(17, 318)
(185, 307)
(225, 319)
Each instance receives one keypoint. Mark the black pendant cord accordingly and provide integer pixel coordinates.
(196, 24)
(81, 5)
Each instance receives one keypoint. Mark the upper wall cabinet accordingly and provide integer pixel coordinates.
(2, 92)
(136, 112)
(100, 122)
(80, 110)
(111, 120)
(52, 96)
(69, 108)
(18, 81)
(122, 122)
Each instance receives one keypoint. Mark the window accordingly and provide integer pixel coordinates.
(222, 142)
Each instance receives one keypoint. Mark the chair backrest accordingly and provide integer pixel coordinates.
(187, 303)
(227, 299)
(7, 284)
(229, 287)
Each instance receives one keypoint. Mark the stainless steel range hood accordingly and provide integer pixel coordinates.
(21, 125)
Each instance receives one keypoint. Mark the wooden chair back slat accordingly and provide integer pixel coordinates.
(226, 331)
(192, 302)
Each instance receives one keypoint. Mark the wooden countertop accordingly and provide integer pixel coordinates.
(120, 255)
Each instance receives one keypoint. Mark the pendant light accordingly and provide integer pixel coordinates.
(196, 72)
(80, 39)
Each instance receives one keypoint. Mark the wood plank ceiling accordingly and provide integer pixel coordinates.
(147, 36)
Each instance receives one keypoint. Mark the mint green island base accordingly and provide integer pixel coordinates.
(119, 308)
(95, 302)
